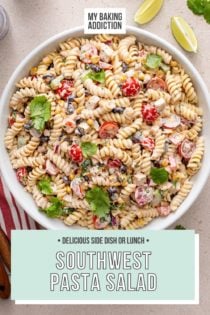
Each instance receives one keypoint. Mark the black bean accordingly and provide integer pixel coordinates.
(94, 67)
(66, 180)
(118, 110)
(28, 125)
(124, 67)
(86, 178)
(48, 77)
(136, 137)
(112, 190)
(70, 109)
(123, 168)
(78, 121)
(44, 139)
(79, 131)
(70, 99)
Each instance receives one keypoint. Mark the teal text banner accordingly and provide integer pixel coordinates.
(103, 265)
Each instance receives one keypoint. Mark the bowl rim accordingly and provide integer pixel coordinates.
(163, 224)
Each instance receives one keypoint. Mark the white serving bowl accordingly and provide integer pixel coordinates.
(25, 199)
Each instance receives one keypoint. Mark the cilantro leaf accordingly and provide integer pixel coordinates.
(85, 165)
(88, 148)
(153, 61)
(99, 201)
(159, 175)
(206, 13)
(95, 76)
(55, 209)
(179, 227)
(44, 186)
(40, 111)
(196, 6)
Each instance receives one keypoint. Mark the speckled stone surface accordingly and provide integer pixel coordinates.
(32, 22)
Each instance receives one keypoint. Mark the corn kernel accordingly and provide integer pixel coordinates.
(135, 75)
(71, 176)
(123, 78)
(95, 59)
(164, 163)
(79, 109)
(90, 122)
(141, 76)
(68, 189)
(33, 71)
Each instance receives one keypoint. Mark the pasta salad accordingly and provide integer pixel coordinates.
(105, 132)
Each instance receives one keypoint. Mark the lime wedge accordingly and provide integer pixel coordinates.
(147, 11)
(184, 34)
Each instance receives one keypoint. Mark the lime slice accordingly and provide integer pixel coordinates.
(147, 11)
(184, 34)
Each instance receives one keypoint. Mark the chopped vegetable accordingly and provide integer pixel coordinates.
(88, 148)
(95, 76)
(131, 87)
(147, 143)
(186, 148)
(157, 83)
(116, 163)
(153, 61)
(51, 169)
(22, 175)
(65, 89)
(44, 186)
(99, 201)
(143, 195)
(75, 153)
(149, 113)
(108, 129)
(55, 209)
(159, 175)
(40, 112)
(87, 52)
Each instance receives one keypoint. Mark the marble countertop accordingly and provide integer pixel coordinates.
(32, 22)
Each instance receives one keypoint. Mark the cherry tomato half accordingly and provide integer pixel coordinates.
(149, 113)
(108, 129)
(75, 153)
(65, 89)
(131, 87)
(157, 83)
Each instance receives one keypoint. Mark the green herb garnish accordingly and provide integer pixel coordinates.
(95, 76)
(206, 13)
(99, 201)
(88, 148)
(200, 7)
(196, 6)
(44, 186)
(55, 209)
(159, 175)
(153, 61)
(40, 112)
(179, 227)
(85, 165)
